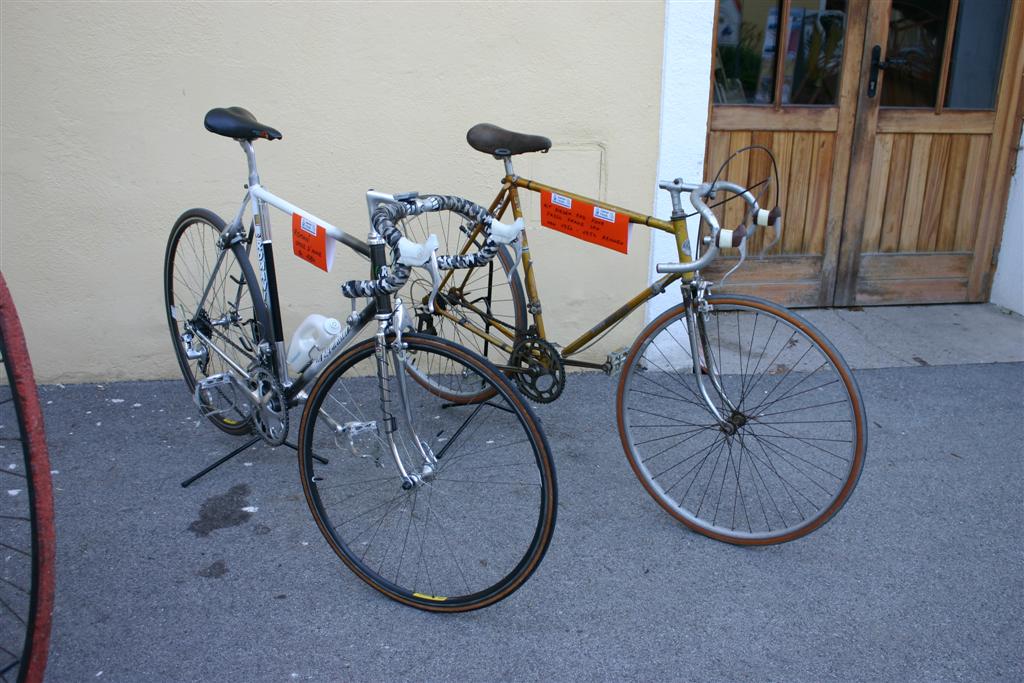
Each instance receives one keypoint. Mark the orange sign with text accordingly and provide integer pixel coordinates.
(310, 243)
(585, 221)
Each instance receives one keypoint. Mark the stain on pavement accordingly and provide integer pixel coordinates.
(223, 511)
(214, 571)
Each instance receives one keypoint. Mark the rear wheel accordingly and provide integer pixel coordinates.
(476, 527)
(792, 446)
(483, 309)
(195, 265)
(27, 542)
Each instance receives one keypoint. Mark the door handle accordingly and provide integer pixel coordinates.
(877, 64)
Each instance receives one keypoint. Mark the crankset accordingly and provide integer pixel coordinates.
(270, 414)
(539, 372)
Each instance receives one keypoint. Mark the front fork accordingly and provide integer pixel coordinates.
(704, 362)
(393, 356)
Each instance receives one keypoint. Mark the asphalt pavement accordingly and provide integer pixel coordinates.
(919, 577)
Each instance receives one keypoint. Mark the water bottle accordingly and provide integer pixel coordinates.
(313, 336)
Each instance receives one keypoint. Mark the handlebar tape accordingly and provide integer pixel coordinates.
(383, 221)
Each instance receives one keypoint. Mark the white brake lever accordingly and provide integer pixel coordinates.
(414, 254)
(505, 234)
(509, 234)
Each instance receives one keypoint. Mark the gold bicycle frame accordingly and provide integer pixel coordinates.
(509, 194)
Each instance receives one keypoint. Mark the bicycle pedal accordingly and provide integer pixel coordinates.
(219, 394)
(615, 360)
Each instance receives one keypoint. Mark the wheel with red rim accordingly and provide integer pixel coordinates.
(26, 511)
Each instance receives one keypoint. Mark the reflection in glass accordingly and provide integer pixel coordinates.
(917, 34)
(745, 58)
(977, 54)
(747, 48)
(814, 52)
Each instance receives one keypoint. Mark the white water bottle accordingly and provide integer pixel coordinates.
(314, 335)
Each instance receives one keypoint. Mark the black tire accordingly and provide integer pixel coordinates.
(473, 302)
(27, 535)
(463, 540)
(228, 317)
(794, 447)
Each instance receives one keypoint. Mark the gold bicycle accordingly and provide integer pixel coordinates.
(737, 415)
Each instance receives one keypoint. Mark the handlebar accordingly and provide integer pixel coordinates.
(386, 212)
(720, 238)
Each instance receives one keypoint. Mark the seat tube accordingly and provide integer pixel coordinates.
(265, 256)
(533, 306)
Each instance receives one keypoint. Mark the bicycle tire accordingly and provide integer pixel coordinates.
(799, 470)
(28, 542)
(506, 512)
(486, 299)
(191, 256)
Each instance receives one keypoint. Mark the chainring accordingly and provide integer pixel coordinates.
(540, 373)
(270, 415)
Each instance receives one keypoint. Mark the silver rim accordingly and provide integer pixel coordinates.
(795, 443)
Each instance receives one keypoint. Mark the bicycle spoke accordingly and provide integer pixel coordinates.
(769, 470)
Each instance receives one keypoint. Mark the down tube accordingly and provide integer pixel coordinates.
(624, 310)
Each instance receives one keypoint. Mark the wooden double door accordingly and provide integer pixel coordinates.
(894, 125)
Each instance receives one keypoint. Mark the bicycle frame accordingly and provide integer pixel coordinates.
(380, 308)
(268, 308)
(509, 196)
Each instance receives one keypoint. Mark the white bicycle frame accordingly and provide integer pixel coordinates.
(259, 198)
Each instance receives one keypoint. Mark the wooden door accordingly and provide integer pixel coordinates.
(932, 153)
(866, 180)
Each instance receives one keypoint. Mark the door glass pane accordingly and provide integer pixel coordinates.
(977, 54)
(917, 34)
(745, 59)
(814, 52)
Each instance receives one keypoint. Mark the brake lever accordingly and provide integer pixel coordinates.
(435, 280)
(743, 256)
(518, 244)
(510, 235)
(773, 220)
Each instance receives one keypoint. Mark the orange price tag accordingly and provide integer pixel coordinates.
(310, 243)
(585, 221)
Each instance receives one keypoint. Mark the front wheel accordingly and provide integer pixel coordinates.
(792, 446)
(476, 525)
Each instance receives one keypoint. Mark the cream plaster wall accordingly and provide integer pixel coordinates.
(103, 144)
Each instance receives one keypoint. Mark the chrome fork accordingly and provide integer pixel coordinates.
(387, 322)
(697, 305)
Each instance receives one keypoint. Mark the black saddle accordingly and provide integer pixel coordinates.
(490, 139)
(238, 123)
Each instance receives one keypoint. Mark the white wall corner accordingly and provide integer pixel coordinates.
(685, 85)
(1008, 284)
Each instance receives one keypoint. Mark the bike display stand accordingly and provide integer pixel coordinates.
(248, 444)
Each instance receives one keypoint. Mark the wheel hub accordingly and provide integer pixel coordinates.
(734, 422)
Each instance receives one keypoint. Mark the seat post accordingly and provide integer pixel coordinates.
(508, 166)
(250, 155)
